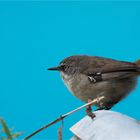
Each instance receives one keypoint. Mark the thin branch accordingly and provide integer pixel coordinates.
(60, 133)
(63, 116)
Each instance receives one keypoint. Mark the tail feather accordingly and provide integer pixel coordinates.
(138, 64)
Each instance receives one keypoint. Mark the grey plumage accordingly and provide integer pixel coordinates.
(89, 77)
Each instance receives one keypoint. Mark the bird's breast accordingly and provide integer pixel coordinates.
(68, 80)
(81, 87)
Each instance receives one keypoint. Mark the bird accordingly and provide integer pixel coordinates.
(90, 77)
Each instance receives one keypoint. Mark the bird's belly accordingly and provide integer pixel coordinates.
(113, 91)
(92, 91)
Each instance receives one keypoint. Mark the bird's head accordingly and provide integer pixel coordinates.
(70, 64)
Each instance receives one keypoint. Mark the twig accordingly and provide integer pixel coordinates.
(63, 116)
(60, 133)
(60, 130)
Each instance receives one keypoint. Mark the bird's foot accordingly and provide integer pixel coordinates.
(104, 108)
(90, 114)
(89, 111)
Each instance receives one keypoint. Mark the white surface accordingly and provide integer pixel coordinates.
(107, 125)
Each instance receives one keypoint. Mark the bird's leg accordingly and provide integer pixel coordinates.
(104, 108)
(108, 108)
(89, 110)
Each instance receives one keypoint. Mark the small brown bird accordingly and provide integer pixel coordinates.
(89, 77)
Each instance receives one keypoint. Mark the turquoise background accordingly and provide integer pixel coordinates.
(37, 35)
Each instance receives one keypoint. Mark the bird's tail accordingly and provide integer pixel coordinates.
(138, 64)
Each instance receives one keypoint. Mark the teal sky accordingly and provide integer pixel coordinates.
(37, 35)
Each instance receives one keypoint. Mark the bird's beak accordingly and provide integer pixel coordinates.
(54, 68)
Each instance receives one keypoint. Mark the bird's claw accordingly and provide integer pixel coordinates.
(89, 111)
(91, 115)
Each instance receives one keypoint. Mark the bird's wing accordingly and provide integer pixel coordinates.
(107, 69)
(98, 77)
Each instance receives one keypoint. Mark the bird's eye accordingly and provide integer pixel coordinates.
(63, 67)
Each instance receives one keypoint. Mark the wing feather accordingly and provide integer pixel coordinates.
(109, 69)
